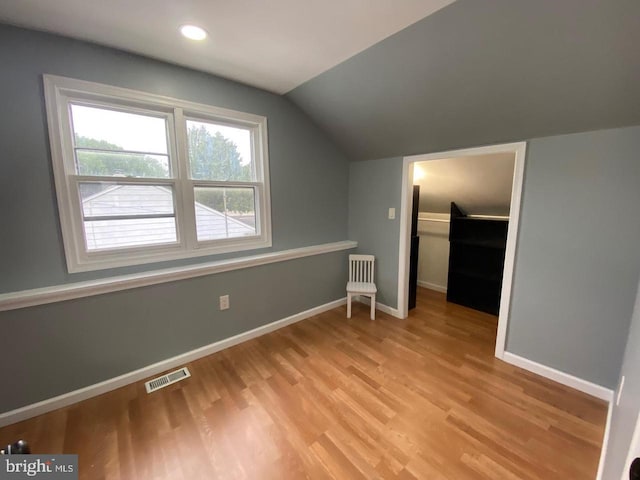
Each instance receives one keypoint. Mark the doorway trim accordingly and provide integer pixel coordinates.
(520, 150)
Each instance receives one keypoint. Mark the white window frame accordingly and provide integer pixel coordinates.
(61, 92)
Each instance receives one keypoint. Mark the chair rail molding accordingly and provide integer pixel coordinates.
(58, 293)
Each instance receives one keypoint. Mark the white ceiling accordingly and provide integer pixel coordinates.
(276, 44)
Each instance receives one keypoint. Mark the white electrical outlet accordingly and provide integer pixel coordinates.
(224, 302)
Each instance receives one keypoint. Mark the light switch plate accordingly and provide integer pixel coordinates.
(392, 213)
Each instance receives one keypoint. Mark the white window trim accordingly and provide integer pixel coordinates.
(59, 91)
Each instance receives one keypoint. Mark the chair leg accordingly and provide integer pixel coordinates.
(373, 307)
(348, 305)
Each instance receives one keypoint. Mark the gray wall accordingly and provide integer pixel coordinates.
(64, 346)
(374, 187)
(72, 344)
(577, 265)
(479, 72)
(305, 166)
(576, 262)
(626, 413)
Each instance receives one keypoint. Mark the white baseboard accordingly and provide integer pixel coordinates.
(394, 312)
(605, 441)
(75, 396)
(585, 386)
(432, 286)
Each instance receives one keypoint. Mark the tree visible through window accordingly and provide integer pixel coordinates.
(214, 157)
(96, 161)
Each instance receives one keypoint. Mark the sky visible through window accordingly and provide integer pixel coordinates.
(143, 133)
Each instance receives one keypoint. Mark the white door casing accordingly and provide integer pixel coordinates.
(519, 149)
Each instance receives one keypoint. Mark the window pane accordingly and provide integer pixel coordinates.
(116, 215)
(115, 164)
(224, 212)
(105, 129)
(107, 234)
(219, 152)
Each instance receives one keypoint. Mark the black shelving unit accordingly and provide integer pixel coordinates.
(415, 249)
(476, 260)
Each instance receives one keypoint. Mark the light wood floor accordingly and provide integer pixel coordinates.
(329, 397)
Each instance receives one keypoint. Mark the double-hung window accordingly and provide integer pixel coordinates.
(144, 178)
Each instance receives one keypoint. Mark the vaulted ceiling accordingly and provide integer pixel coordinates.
(482, 72)
(480, 184)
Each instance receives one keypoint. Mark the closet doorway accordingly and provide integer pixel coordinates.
(472, 195)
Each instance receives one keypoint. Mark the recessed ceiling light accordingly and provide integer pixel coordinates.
(192, 32)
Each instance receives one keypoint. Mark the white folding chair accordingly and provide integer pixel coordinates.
(361, 281)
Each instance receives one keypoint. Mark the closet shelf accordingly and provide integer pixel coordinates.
(486, 218)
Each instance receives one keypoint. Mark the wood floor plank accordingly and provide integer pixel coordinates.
(330, 397)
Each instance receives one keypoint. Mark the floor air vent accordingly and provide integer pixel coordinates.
(168, 379)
